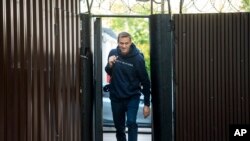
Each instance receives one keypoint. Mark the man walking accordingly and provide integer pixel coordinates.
(129, 78)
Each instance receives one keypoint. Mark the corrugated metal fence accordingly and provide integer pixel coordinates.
(212, 75)
(39, 74)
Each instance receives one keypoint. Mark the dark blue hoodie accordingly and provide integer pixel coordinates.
(128, 75)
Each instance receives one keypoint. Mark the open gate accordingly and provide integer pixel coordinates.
(199, 75)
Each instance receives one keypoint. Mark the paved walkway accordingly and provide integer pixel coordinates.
(111, 137)
(144, 134)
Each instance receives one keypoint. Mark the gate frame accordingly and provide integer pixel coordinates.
(97, 100)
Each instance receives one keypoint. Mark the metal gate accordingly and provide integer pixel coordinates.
(200, 75)
(39, 70)
(211, 75)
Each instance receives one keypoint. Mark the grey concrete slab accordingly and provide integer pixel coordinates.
(141, 137)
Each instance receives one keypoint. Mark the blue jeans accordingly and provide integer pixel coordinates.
(119, 109)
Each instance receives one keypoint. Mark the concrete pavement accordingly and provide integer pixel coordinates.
(111, 137)
(143, 135)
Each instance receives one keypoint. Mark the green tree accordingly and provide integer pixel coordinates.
(246, 5)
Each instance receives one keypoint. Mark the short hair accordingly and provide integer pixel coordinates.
(123, 34)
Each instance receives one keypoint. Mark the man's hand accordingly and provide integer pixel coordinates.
(112, 60)
(146, 111)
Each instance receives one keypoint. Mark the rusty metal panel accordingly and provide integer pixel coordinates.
(211, 74)
(39, 87)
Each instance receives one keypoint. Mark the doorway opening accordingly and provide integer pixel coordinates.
(138, 27)
(160, 44)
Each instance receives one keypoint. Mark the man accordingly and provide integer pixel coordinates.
(129, 79)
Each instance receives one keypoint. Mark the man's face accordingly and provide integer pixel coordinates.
(124, 44)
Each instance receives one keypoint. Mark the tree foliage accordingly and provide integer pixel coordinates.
(137, 27)
(246, 5)
(139, 30)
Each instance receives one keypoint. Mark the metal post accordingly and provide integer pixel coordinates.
(161, 77)
(98, 136)
(86, 80)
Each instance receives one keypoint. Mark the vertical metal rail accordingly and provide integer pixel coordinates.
(87, 93)
(98, 134)
(3, 69)
(161, 73)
